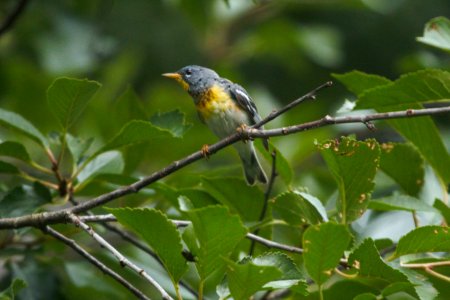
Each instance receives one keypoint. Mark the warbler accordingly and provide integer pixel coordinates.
(223, 106)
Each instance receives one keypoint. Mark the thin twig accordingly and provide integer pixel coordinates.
(59, 216)
(273, 174)
(74, 245)
(13, 16)
(122, 259)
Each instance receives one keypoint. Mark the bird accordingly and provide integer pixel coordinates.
(224, 106)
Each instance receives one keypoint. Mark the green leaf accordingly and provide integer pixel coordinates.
(282, 166)
(24, 200)
(108, 162)
(408, 92)
(67, 98)
(236, 194)
(8, 168)
(347, 289)
(357, 82)
(443, 209)
(77, 147)
(298, 208)
(366, 296)
(160, 233)
(129, 107)
(10, 292)
(172, 121)
(135, 132)
(423, 289)
(366, 259)
(198, 197)
(423, 239)
(437, 33)
(353, 165)
(324, 245)
(400, 202)
(15, 150)
(397, 287)
(218, 232)
(246, 279)
(404, 164)
(291, 276)
(17, 122)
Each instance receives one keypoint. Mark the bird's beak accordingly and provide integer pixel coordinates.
(175, 76)
(178, 78)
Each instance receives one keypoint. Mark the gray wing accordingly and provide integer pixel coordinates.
(242, 98)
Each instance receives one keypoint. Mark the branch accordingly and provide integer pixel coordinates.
(13, 16)
(72, 244)
(60, 216)
(122, 259)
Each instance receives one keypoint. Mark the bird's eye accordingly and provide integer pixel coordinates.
(188, 73)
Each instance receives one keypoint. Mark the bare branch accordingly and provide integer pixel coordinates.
(59, 216)
(122, 259)
(72, 244)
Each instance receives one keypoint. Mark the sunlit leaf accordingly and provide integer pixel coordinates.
(68, 97)
(324, 245)
(437, 33)
(353, 165)
(160, 233)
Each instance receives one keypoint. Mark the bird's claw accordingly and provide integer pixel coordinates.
(205, 151)
(243, 132)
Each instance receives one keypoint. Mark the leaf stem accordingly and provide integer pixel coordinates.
(200, 290)
(34, 179)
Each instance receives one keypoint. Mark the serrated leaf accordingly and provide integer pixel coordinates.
(298, 208)
(159, 233)
(408, 92)
(437, 33)
(24, 200)
(135, 132)
(400, 202)
(282, 166)
(404, 164)
(423, 239)
(10, 292)
(353, 165)
(172, 121)
(423, 289)
(15, 150)
(8, 168)
(67, 98)
(443, 209)
(236, 194)
(19, 123)
(246, 279)
(366, 259)
(324, 245)
(218, 232)
(108, 162)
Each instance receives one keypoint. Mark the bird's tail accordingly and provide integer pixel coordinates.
(252, 168)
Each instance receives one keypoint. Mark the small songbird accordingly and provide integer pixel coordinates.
(223, 106)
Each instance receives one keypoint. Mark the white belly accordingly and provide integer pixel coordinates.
(224, 122)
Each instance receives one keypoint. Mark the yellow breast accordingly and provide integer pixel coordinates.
(214, 102)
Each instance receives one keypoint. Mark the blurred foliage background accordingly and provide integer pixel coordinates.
(278, 50)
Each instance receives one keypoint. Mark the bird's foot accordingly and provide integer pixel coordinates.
(205, 151)
(243, 132)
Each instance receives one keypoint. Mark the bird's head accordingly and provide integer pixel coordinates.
(193, 77)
